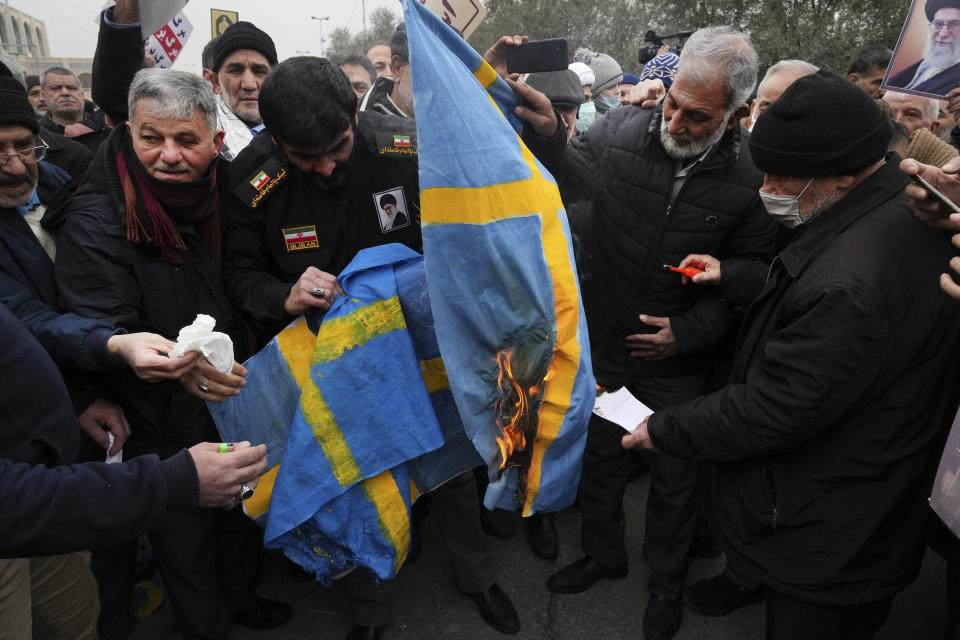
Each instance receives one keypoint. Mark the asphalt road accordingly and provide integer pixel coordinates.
(429, 605)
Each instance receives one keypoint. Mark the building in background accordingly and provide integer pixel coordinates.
(23, 39)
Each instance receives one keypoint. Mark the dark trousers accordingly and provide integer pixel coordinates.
(209, 560)
(455, 504)
(671, 503)
(791, 619)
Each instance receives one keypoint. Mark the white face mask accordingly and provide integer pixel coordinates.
(587, 114)
(784, 209)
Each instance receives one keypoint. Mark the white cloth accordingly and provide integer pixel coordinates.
(46, 240)
(236, 134)
(216, 347)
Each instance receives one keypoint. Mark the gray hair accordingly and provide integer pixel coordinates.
(57, 71)
(175, 94)
(723, 52)
(798, 68)
(933, 107)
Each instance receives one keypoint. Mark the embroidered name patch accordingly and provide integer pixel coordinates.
(396, 144)
(300, 238)
(261, 182)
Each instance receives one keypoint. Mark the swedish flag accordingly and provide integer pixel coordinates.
(351, 409)
(500, 273)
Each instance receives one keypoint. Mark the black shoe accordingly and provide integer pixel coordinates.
(363, 632)
(496, 609)
(261, 613)
(661, 618)
(583, 574)
(719, 595)
(498, 523)
(542, 535)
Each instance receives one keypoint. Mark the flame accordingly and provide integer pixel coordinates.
(513, 411)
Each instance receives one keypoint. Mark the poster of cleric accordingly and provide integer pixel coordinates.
(926, 61)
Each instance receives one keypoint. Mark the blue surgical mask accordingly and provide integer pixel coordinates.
(784, 209)
(610, 102)
(588, 113)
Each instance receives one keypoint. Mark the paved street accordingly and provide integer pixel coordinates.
(430, 607)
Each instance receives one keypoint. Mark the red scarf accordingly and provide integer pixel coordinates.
(195, 202)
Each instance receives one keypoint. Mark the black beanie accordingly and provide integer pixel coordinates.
(243, 35)
(14, 106)
(821, 125)
(933, 6)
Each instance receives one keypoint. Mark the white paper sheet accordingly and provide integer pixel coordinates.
(622, 408)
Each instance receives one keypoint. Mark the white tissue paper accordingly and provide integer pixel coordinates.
(118, 456)
(217, 347)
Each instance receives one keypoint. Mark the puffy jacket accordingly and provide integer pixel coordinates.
(638, 226)
(843, 386)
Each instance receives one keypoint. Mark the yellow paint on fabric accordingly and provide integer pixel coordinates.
(434, 375)
(532, 196)
(259, 503)
(296, 345)
(335, 337)
(562, 372)
(338, 335)
(393, 519)
(482, 205)
(328, 435)
(485, 74)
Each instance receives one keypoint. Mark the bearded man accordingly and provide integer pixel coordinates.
(939, 70)
(664, 182)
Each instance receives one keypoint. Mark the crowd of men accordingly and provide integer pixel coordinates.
(811, 364)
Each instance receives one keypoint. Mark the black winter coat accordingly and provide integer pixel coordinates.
(843, 386)
(260, 265)
(637, 227)
(102, 275)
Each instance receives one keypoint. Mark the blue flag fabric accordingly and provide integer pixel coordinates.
(500, 273)
(356, 408)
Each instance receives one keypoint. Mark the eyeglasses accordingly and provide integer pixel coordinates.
(939, 25)
(30, 155)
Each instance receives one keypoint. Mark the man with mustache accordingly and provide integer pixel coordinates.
(664, 182)
(938, 71)
(139, 244)
(235, 64)
(68, 113)
(35, 95)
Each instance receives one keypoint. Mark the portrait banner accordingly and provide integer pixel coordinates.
(926, 61)
(221, 20)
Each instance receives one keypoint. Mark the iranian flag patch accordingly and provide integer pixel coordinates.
(259, 180)
(299, 238)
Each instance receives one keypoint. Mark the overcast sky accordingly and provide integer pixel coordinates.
(72, 29)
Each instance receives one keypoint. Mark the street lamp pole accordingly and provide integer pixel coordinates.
(320, 20)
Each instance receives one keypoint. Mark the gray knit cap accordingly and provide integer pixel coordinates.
(605, 69)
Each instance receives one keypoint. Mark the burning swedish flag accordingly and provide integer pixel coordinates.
(500, 273)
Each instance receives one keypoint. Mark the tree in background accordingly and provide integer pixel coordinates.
(381, 24)
(824, 32)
